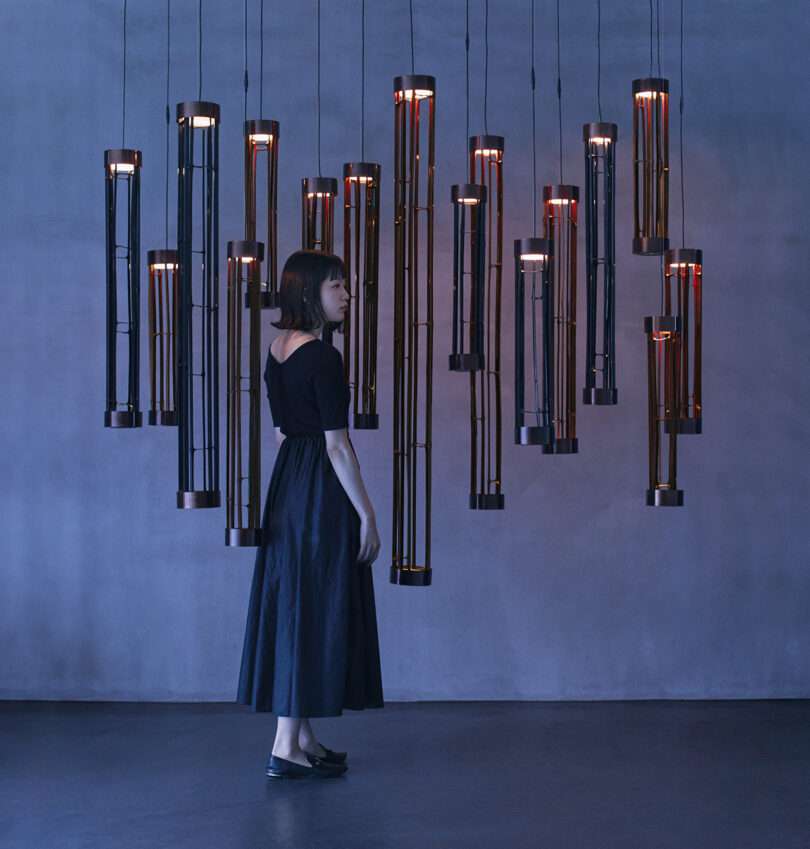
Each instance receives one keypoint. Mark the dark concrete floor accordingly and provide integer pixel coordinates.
(500, 775)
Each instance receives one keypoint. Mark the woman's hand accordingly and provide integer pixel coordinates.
(369, 540)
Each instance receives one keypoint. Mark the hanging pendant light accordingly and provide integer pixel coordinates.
(318, 197)
(361, 258)
(122, 190)
(534, 261)
(242, 498)
(163, 295)
(261, 143)
(600, 250)
(534, 258)
(663, 355)
(469, 251)
(198, 311)
(651, 165)
(486, 169)
(560, 204)
(414, 126)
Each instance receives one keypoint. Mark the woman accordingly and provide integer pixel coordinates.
(311, 645)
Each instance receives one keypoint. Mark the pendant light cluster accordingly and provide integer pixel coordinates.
(122, 193)
(674, 338)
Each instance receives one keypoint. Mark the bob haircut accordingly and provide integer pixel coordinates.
(300, 290)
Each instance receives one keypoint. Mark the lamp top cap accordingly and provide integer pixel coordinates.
(198, 109)
(468, 191)
(662, 324)
(534, 245)
(415, 81)
(362, 169)
(263, 126)
(651, 84)
(600, 129)
(485, 142)
(322, 185)
(243, 248)
(163, 255)
(122, 156)
(561, 192)
(692, 256)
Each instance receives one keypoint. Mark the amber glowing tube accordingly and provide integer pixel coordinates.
(414, 164)
(560, 219)
(164, 272)
(650, 166)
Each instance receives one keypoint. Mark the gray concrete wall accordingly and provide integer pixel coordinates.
(575, 591)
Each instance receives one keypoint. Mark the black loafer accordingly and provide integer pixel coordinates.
(333, 757)
(281, 768)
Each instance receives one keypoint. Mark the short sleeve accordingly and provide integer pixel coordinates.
(272, 380)
(331, 392)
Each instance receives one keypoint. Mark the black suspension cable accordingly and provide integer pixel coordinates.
(559, 90)
(244, 53)
(410, 5)
(680, 109)
(124, 83)
(199, 51)
(486, 61)
(261, 59)
(651, 37)
(658, 32)
(318, 83)
(467, 65)
(363, 81)
(599, 57)
(534, 140)
(168, 113)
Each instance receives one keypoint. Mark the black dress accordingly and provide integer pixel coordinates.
(311, 646)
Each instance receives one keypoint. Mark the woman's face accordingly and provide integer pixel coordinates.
(334, 299)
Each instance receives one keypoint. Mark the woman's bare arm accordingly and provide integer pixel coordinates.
(280, 437)
(344, 462)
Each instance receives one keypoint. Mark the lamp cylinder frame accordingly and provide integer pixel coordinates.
(361, 259)
(600, 261)
(469, 202)
(683, 296)
(663, 355)
(198, 412)
(319, 195)
(123, 165)
(164, 282)
(650, 166)
(486, 452)
(243, 516)
(534, 258)
(261, 139)
(560, 220)
(414, 117)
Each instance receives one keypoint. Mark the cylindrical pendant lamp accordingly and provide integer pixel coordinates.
(198, 309)
(261, 143)
(663, 343)
(469, 254)
(243, 465)
(318, 199)
(164, 274)
(122, 187)
(361, 258)
(651, 165)
(534, 262)
(486, 168)
(600, 258)
(683, 295)
(560, 204)
(414, 164)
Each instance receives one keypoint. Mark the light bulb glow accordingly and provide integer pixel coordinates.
(319, 194)
(355, 179)
(560, 201)
(122, 168)
(534, 257)
(599, 140)
(163, 266)
(261, 138)
(414, 93)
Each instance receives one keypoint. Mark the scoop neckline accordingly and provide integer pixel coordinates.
(303, 345)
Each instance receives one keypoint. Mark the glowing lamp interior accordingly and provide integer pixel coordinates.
(467, 201)
(122, 168)
(599, 140)
(163, 266)
(415, 93)
(361, 179)
(560, 201)
(485, 151)
(261, 138)
(534, 257)
(319, 194)
(202, 121)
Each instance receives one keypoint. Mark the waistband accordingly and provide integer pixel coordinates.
(319, 435)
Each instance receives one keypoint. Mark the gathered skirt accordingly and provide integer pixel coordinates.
(311, 647)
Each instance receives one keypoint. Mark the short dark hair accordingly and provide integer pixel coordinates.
(300, 290)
